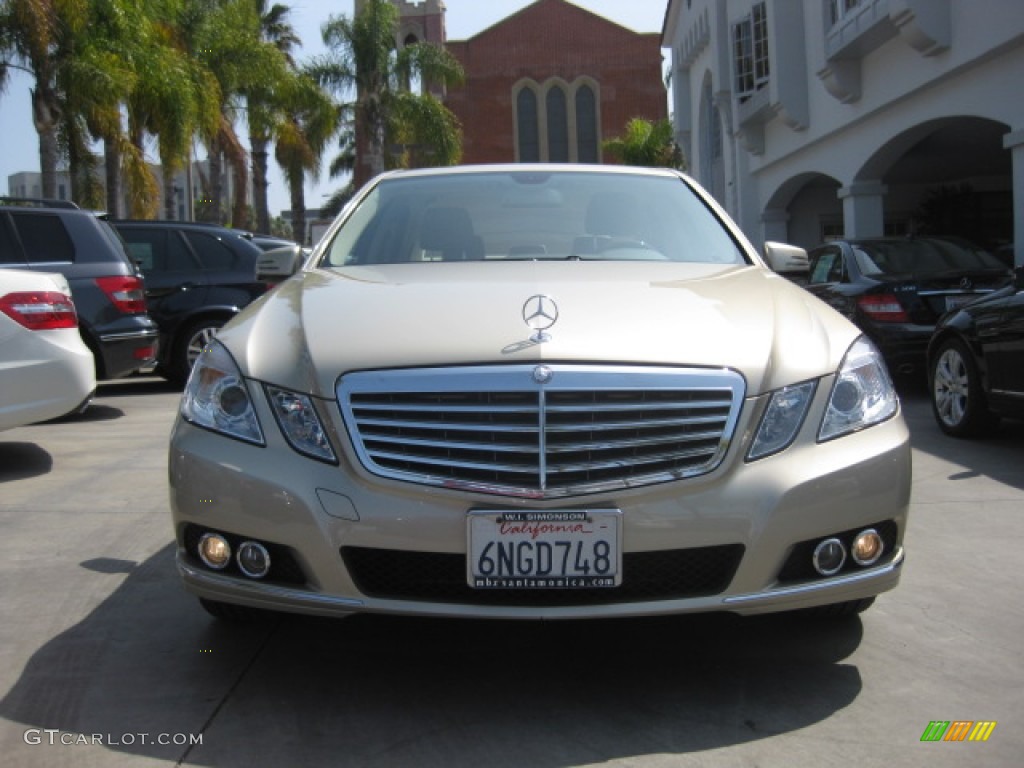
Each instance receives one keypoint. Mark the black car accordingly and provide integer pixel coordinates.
(197, 278)
(976, 363)
(895, 289)
(56, 236)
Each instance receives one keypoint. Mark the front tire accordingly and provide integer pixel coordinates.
(958, 400)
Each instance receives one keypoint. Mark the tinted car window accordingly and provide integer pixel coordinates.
(828, 268)
(10, 253)
(159, 251)
(921, 256)
(44, 237)
(213, 254)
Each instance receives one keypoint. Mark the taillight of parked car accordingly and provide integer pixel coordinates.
(40, 310)
(127, 293)
(883, 307)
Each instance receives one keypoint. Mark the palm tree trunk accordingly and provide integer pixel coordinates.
(214, 209)
(45, 116)
(170, 198)
(298, 200)
(240, 211)
(112, 173)
(260, 184)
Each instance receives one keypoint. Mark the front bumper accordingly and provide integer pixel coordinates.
(313, 512)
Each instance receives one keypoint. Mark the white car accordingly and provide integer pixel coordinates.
(548, 391)
(46, 370)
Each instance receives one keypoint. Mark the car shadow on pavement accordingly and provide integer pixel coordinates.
(377, 690)
(22, 460)
(95, 412)
(999, 456)
(136, 385)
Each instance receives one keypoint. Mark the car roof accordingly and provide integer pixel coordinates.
(8, 201)
(552, 168)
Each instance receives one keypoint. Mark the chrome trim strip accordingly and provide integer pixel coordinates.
(542, 435)
(957, 292)
(445, 426)
(131, 335)
(260, 590)
(819, 586)
(1007, 393)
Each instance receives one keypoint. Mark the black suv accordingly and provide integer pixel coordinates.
(198, 276)
(57, 236)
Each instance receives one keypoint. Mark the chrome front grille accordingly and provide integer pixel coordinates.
(508, 431)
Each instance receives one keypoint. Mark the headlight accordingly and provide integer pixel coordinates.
(300, 424)
(216, 397)
(862, 395)
(782, 419)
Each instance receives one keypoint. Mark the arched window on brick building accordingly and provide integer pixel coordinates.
(558, 125)
(556, 121)
(527, 127)
(587, 149)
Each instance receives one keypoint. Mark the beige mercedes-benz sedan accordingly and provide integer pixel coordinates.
(538, 392)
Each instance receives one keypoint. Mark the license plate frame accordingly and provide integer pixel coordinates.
(544, 549)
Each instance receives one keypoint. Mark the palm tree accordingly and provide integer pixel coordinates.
(647, 143)
(311, 119)
(32, 37)
(265, 112)
(363, 58)
(94, 82)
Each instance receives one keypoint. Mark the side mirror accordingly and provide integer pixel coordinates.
(279, 264)
(787, 260)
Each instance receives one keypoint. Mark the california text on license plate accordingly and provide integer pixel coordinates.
(555, 549)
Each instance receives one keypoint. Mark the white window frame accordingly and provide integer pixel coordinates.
(750, 52)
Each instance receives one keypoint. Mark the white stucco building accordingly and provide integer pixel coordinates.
(815, 119)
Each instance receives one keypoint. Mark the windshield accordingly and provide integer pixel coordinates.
(922, 256)
(531, 215)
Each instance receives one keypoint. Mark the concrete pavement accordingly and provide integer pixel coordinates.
(107, 662)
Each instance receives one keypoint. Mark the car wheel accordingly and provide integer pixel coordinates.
(190, 344)
(840, 610)
(233, 614)
(958, 401)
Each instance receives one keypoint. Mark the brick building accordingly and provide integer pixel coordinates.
(551, 83)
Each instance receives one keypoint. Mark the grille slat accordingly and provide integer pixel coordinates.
(642, 406)
(646, 424)
(449, 444)
(587, 429)
(625, 443)
(652, 458)
(440, 462)
(449, 425)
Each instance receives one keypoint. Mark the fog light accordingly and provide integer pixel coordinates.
(829, 557)
(867, 547)
(253, 559)
(214, 551)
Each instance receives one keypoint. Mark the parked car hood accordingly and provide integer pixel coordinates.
(323, 323)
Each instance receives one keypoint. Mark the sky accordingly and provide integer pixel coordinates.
(19, 145)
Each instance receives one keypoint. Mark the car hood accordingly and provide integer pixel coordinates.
(324, 323)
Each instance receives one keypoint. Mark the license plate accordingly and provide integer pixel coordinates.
(957, 301)
(565, 549)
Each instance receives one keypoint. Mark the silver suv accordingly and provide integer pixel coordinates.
(108, 289)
